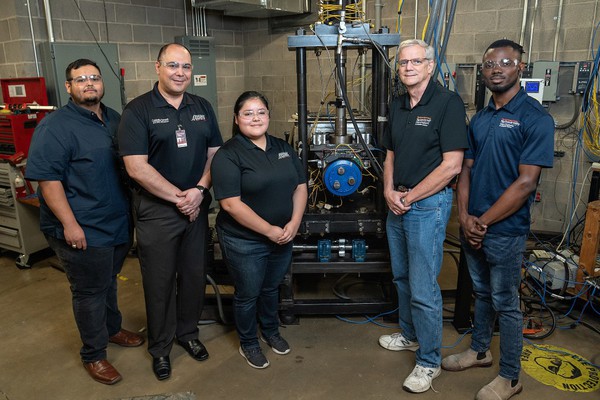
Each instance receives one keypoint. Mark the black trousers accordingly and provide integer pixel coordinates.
(173, 257)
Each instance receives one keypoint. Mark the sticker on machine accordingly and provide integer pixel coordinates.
(561, 368)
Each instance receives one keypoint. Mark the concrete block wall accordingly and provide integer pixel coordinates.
(250, 57)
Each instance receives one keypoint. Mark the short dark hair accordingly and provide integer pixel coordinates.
(82, 62)
(166, 46)
(239, 103)
(506, 43)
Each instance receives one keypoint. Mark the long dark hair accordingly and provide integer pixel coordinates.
(239, 103)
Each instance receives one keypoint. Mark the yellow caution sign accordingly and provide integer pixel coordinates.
(561, 368)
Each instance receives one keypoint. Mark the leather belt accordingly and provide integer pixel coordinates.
(402, 189)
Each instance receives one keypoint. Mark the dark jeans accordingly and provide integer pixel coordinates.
(93, 277)
(257, 269)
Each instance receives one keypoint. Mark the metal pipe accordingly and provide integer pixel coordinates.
(363, 63)
(560, 8)
(433, 16)
(524, 22)
(416, 16)
(302, 101)
(589, 55)
(49, 21)
(185, 17)
(378, 8)
(535, 8)
(35, 55)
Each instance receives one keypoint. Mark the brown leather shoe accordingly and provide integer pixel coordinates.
(126, 339)
(102, 371)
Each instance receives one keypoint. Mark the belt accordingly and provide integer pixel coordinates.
(404, 189)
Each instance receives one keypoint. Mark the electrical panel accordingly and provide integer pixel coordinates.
(548, 72)
(583, 71)
(534, 88)
(204, 74)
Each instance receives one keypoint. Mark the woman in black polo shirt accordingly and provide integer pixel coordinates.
(261, 187)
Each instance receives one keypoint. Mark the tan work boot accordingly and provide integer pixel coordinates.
(467, 359)
(499, 389)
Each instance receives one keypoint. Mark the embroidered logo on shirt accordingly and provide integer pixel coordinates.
(423, 121)
(198, 117)
(509, 123)
(160, 121)
(284, 154)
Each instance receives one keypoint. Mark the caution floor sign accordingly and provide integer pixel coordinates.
(561, 368)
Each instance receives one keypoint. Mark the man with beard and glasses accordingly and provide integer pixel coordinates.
(510, 141)
(84, 211)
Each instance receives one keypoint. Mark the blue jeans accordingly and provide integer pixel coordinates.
(92, 274)
(496, 273)
(416, 241)
(257, 269)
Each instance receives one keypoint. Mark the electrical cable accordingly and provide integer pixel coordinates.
(96, 40)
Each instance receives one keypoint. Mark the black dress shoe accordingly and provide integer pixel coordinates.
(161, 367)
(195, 348)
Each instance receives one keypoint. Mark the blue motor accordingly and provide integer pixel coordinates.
(342, 177)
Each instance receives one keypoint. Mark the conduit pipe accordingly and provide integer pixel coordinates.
(35, 55)
(49, 21)
(558, 19)
(524, 22)
(535, 8)
(593, 31)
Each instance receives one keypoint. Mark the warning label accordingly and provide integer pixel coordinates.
(565, 370)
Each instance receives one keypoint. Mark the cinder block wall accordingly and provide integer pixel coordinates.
(251, 57)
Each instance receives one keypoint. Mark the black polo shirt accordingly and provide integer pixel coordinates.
(149, 126)
(419, 136)
(265, 181)
(73, 146)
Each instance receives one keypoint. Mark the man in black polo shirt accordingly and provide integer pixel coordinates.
(425, 142)
(167, 138)
(84, 211)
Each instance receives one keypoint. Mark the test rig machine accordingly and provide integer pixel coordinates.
(343, 228)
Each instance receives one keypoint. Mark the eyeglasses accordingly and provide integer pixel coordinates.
(415, 62)
(174, 66)
(504, 63)
(80, 80)
(250, 114)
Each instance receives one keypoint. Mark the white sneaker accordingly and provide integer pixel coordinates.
(420, 379)
(397, 342)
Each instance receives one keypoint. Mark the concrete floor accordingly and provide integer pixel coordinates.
(330, 359)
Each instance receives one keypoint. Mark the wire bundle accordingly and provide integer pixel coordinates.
(330, 10)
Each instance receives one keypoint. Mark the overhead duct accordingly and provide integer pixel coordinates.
(256, 8)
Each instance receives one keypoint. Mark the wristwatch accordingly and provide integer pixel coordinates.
(202, 189)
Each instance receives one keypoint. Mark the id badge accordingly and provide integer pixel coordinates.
(181, 138)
